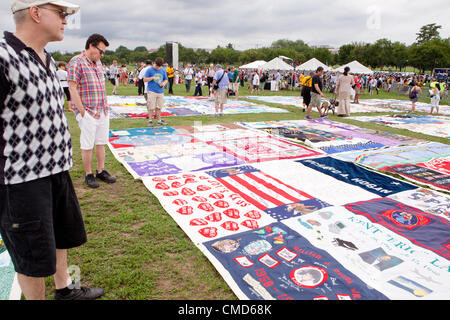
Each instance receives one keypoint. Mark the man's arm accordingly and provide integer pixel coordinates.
(316, 85)
(76, 99)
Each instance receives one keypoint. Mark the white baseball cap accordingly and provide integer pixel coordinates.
(18, 5)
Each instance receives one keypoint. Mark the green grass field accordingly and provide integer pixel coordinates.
(135, 250)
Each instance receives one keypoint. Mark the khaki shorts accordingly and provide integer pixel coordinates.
(155, 101)
(221, 97)
(236, 87)
(316, 100)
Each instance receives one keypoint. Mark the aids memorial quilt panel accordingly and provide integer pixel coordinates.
(427, 200)
(277, 263)
(203, 207)
(136, 107)
(431, 125)
(286, 189)
(427, 163)
(329, 136)
(420, 227)
(149, 152)
(378, 253)
(9, 287)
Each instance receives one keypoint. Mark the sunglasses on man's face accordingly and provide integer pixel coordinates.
(100, 50)
(62, 14)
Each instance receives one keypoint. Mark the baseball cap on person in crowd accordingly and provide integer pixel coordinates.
(18, 5)
(219, 66)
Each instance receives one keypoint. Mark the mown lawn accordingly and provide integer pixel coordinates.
(135, 250)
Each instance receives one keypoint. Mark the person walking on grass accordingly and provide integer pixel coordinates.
(255, 80)
(114, 76)
(157, 79)
(188, 75)
(198, 79)
(40, 217)
(343, 89)
(236, 84)
(306, 90)
(316, 93)
(62, 77)
(220, 86)
(435, 98)
(87, 88)
(359, 88)
(148, 65)
(170, 75)
(414, 96)
(140, 81)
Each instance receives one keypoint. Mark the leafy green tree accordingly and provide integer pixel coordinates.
(346, 54)
(431, 54)
(428, 33)
(399, 55)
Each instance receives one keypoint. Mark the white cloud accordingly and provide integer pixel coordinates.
(246, 24)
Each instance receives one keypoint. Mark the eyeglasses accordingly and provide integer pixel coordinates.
(62, 14)
(100, 50)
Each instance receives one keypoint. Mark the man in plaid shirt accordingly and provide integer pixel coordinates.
(87, 87)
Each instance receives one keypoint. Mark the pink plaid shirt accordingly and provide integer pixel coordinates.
(90, 78)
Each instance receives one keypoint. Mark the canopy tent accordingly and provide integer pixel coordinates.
(312, 65)
(277, 64)
(253, 65)
(355, 68)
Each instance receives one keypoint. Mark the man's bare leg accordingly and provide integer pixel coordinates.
(100, 153)
(61, 277)
(86, 156)
(32, 288)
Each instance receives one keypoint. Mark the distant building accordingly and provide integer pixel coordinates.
(331, 49)
(207, 50)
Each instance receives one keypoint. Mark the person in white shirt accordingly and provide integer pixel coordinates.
(61, 74)
(188, 75)
(148, 64)
(198, 83)
(255, 81)
(210, 75)
(278, 80)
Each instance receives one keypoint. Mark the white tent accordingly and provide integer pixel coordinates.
(312, 65)
(254, 65)
(277, 64)
(355, 68)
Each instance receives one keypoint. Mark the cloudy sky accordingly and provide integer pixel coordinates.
(245, 24)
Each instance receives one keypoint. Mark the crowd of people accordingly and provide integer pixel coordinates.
(256, 81)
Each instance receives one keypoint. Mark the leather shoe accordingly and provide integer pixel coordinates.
(82, 293)
(91, 182)
(105, 176)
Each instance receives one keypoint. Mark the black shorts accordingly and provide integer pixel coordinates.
(38, 217)
(67, 92)
(113, 81)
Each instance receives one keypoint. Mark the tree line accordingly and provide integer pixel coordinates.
(428, 52)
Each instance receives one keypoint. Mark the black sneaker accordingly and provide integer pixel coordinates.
(105, 176)
(82, 293)
(91, 182)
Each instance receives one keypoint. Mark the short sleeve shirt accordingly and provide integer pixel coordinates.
(223, 84)
(90, 79)
(316, 80)
(154, 86)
